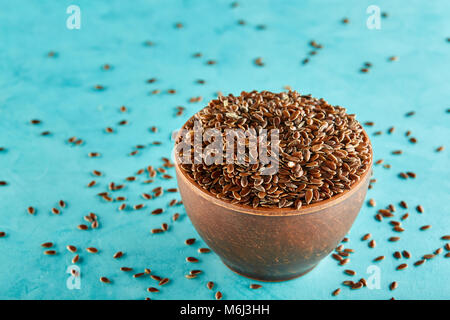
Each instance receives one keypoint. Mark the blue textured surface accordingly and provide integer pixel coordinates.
(59, 90)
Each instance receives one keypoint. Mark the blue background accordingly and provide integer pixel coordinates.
(59, 91)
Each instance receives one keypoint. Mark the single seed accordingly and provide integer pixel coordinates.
(366, 236)
(425, 227)
(204, 250)
(372, 244)
(393, 286)
(419, 209)
(92, 250)
(255, 286)
(218, 295)
(163, 281)
(76, 259)
(71, 248)
(344, 261)
(349, 272)
(138, 275)
(372, 203)
(83, 227)
(190, 241)
(191, 259)
(118, 255)
(402, 266)
(336, 292)
(105, 280)
(31, 210)
(47, 245)
(394, 239)
(126, 269)
(152, 289)
(419, 262)
(158, 211)
(379, 258)
(50, 252)
(406, 254)
(210, 285)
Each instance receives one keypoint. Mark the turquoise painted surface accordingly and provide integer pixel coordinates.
(42, 170)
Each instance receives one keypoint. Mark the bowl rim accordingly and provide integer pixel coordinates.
(271, 212)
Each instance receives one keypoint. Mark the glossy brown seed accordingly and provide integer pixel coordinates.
(372, 244)
(447, 246)
(255, 286)
(191, 259)
(336, 292)
(163, 281)
(357, 285)
(372, 203)
(394, 239)
(50, 252)
(393, 286)
(438, 251)
(210, 285)
(402, 266)
(405, 216)
(204, 250)
(55, 211)
(126, 269)
(62, 203)
(446, 237)
(76, 259)
(366, 236)
(175, 216)
(428, 256)
(419, 262)
(71, 248)
(403, 204)
(147, 271)
(158, 211)
(92, 250)
(83, 227)
(155, 277)
(105, 280)
(152, 289)
(118, 255)
(397, 255)
(218, 295)
(157, 230)
(379, 258)
(31, 210)
(190, 241)
(138, 275)
(419, 209)
(349, 272)
(406, 254)
(165, 226)
(344, 261)
(47, 245)
(426, 227)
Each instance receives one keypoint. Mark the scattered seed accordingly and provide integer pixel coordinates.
(47, 245)
(402, 266)
(105, 280)
(118, 255)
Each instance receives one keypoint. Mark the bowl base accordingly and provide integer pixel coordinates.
(269, 280)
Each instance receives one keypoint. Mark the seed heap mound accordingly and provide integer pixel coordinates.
(322, 150)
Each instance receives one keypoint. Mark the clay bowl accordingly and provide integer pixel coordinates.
(271, 244)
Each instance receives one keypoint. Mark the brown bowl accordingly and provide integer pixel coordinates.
(271, 244)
